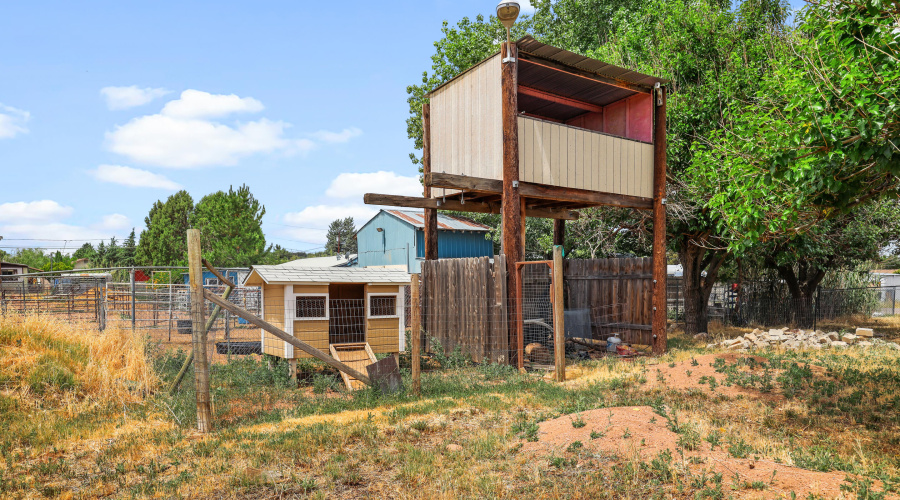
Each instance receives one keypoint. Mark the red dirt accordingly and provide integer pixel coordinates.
(648, 436)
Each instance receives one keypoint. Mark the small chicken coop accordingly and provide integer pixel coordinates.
(539, 131)
(332, 307)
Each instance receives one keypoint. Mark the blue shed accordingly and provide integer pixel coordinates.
(397, 238)
(235, 275)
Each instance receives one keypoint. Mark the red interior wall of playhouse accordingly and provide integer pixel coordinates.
(631, 118)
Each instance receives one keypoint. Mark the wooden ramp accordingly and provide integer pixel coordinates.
(357, 355)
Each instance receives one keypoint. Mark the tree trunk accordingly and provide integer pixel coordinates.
(803, 285)
(696, 259)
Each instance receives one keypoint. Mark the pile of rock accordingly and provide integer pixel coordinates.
(800, 339)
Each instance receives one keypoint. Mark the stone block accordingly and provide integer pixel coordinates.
(865, 332)
(849, 338)
(839, 344)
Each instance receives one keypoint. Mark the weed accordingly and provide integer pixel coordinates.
(575, 446)
(578, 422)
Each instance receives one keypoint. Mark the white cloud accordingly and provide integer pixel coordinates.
(130, 97)
(353, 185)
(199, 104)
(320, 216)
(41, 224)
(337, 137)
(133, 177)
(525, 7)
(43, 211)
(114, 222)
(184, 133)
(12, 122)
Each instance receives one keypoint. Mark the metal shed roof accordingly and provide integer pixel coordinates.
(445, 222)
(287, 274)
(530, 45)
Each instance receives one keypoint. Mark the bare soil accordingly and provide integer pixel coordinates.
(637, 431)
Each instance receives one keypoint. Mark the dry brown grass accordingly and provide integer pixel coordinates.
(105, 366)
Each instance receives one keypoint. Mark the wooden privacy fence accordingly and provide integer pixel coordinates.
(464, 305)
(618, 293)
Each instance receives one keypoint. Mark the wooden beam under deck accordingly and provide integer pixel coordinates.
(567, 101)
(539, 191)
(454, 204)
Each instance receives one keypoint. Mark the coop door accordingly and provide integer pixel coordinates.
(535, 313)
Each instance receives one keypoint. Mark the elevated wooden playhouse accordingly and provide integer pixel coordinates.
(538, 131)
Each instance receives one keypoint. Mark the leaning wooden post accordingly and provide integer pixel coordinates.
(559, 317)
(659, 222)
(415, 335)
(201, 363)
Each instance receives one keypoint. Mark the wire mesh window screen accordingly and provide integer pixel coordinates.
(311, 306)
(383, 305)
(536, 312)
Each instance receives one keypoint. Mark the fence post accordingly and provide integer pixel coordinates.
(171, 285)
(415, 337)
(133, 320)
(816, 311)
(201, 363)
(559, 326)
(894, 302)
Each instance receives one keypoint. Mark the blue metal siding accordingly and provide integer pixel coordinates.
(394, 246)
(232, 275)
(389, 247)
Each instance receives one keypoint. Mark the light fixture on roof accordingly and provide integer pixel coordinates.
(507, 13)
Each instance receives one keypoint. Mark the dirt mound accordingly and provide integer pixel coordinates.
(637, 431)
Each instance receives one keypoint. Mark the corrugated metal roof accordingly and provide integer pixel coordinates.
(445, 222)
(286, 274)
(333, 261)
(532, 46)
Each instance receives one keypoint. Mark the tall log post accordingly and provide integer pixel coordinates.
(659, 222)
(559, 232)
(415, 335)
(198, 332)
(431, 226)
(513, 219)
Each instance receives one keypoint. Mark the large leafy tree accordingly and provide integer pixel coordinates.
(163, 242)
(86, 251)
(230, 224)
(822, 134)
(341, 237)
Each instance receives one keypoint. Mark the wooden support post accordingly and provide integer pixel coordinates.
(201, 363)
(292, 370)
(559, 232)
(431, 226)
(415, 335)
(512, 218)
(559, 319)
(659, 336)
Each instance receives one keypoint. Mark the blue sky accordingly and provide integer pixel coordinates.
(106, 107)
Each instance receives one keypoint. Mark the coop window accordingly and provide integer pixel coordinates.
(383, 305)
(213, 282)
(311, 307)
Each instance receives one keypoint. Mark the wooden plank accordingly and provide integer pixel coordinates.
(568, 101)
(415, 333)
(281, 334)
(596, 164)
(454, 204)
(548, 175)
(559, 328)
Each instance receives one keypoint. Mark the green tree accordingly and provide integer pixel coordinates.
(32, 257)
(86, 251)
(230, 224)
(58, 262)
(341, 237)
(128, 251)
(821, 135)
(163, 242)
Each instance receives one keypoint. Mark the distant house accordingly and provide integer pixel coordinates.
(12, 272)
(887, 278)
(396, 238)
(82, 264)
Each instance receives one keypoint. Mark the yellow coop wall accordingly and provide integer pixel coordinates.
(273, 312)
